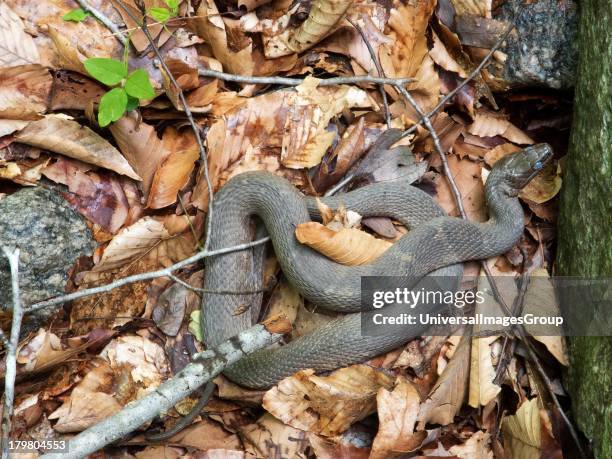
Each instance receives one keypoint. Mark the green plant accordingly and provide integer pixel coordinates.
(161, 14)
(128, 88)
(76, 15)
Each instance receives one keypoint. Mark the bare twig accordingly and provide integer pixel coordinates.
(110, 25)
(379, 69)
(196, 130)
(166, 272)
(436, 139)
(283, 81)
(470, 77)
(203, 368)
(11, 352)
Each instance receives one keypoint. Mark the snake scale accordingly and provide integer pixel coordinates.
(436, 244)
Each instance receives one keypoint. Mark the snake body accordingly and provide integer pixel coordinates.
(436, 245)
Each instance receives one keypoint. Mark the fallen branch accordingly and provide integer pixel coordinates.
(110, 25)
(284, 81)
(166, 272)
(11, 351)
(203, 367)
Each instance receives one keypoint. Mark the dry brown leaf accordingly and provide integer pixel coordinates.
(522, 432)
(99, 197)
(482, 372)
(268, 437)
(229, 390)
(326, 405)
(67, 137)
(41, 349)
(89, 402)
(16, 46)
(446, 397)
(210, 26)
(141, 147)
(285, 300)
(131, 243)
(145, 360)
(206, 435)
(407, 23)
(441, 56)
(514, 134)
(544, 186)
(138, 37)
(467, 175)
(67, 54)
(322, 18)
(349, 445)
(478, 446)
(24, 92)
(175, 169)
(25, 172)
(349, 246)
(488, 124)
(397, 414)
(9, 126)
(305, 142)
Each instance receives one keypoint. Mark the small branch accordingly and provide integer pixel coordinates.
(434, 135)
(203, 368)
(470, 77)
(379, 69)
(283, 81)
(110, 25)
(166, 272)
(11, 352)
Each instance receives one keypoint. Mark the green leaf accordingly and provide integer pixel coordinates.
(138, 85)
(112, 106)
(107, 71)
(76, 15)
(160, 14)
(173, 5)
(132, 104)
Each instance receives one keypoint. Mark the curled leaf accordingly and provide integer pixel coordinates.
(349, 246)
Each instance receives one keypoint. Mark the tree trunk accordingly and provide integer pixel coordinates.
(585, 221)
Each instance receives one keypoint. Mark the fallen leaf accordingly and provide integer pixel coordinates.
(441, 56)
(349, 246)
(89, 402)
(210, 26)
(268, 437)
(16, 46)
(522, 432)
(131, 243)
(544, 186)
(482, 372)
(475, 7)
(206, 435)
(476, 447)
(67, 137)
(397, 415)
(446, 397)
(24, 92)
(141, 147)
(41, 349)
(97, 196)
(326, 405)
(467, 175)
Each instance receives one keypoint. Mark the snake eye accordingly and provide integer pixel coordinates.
(538, 165)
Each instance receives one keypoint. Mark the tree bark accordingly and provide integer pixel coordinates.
(585, 220)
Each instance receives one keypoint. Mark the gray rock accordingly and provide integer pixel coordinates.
(50, 236)
(542, 51)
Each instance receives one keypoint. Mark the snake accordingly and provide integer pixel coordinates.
(436, 244)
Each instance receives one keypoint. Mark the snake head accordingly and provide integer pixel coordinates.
(517, 169)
